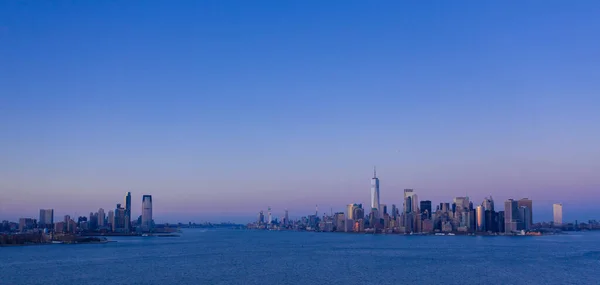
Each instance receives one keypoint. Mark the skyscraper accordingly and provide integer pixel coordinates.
(558, 214)
(426, 209)
(375, 190)
(147, 212)
(111, 219)
(529, 212)
(269, 218)
(488, 204)
(480, 218)
(46, 218)
(128, 210)
(261, 217)
(286, 217)
(511, 215)
(101, 217)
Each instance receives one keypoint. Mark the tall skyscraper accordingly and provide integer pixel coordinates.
(511, 215)
(261, 217)
(269, 218)
(558, 214)
(462, 204)
(480, 212)
(101, 217)
(46, 218)
(111, 219)
(375, 191)
(286, 217)
(413, 205)
(128, 210)
(147, 212)
(488, 204)
(426, 209)
(350, 211)
(529, 212)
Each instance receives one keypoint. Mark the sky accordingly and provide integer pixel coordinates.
(220, 109)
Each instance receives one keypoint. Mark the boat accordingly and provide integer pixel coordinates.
(451, 234)
(145, 235)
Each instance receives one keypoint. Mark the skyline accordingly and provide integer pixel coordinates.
(220, 109)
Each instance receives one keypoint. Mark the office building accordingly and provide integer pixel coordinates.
(147, 212)
(128, 210)
(524, 218)
(101, 218)
(511, 215)
(375, 191)
(529, 204)
(488, 204)
(261, 217)
(558, 214)
(46, 218)
(480, 212)
(119, 223)
(461, 204)
(425, 209)
(111, 219)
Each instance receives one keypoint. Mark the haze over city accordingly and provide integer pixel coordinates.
(222, 109)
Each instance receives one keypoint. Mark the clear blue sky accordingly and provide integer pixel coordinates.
(222, 108)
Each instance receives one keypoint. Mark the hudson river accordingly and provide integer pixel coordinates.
(261, 257)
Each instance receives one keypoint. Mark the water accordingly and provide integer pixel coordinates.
(260, 257)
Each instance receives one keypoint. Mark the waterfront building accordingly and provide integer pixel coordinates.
(425, 207)
(524, 215)
(111, 219)
(128, 210)
(382, 210)
(488, 204)
(101, 218)
(46, 218)
(511, 215)
(461, 204)
(375, 191)
(261, 217)
(358, 213)
(501, 223)
(480, 219)
(147, 212)
(119, 223)
(525, 202)
(557, 210)
(26, 224)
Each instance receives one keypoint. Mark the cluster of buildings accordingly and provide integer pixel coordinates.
(118, 221)
(415, 216)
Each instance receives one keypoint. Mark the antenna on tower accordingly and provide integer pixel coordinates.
(317, 210)
(374, 171)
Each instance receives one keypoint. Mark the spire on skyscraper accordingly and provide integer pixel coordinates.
(374, 171)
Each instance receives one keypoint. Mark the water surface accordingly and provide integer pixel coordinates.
(262, 257)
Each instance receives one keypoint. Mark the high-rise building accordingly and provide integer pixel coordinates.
(558, 214)
(488, 204)
(394, 213)
(261, 217)
(101, 217)
(350, 211)
(382, 210)
(524, 218)
(462, 204)
(269, 218)
(480, 219)
(425, 209)
(375, 190)
(511, 215)
(414, 201)
(358, 212)
(119, 223)
(111, 219)
(46, 218)
(286, 218)
(147, 212)
(529, 204)
(128, 210)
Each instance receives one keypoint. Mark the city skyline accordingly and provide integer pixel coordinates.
(220, 109)
(409, 203)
